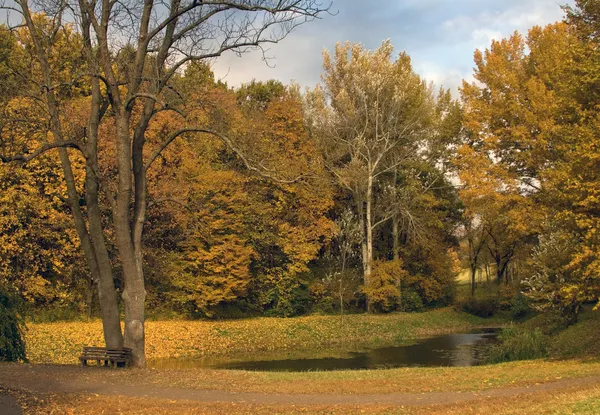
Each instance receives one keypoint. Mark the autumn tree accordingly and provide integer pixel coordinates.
(242, 240)
(369, 114)
(344, 249)
(381, 130)
(533, 124)
(39, 251)
(131, 52)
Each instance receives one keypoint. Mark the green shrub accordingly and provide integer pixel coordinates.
(411, 301)
(519, 344)
(290, 302)
(449, 295)
(321, 298)
(12, 345)
(52, 314)
(484, 307)
(520, 306)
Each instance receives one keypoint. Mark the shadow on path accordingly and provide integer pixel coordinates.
(9, 405)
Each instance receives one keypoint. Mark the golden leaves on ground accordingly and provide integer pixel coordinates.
(63, 342)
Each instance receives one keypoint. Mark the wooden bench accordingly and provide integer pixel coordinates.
(108, 357)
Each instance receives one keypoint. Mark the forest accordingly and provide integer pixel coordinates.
(134, 183)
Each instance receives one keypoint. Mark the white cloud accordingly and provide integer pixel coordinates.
(479, 29)
(482, 38)
(440, 76)
(440, 36)
(295, 59)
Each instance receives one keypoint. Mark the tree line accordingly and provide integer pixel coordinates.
(132, 178)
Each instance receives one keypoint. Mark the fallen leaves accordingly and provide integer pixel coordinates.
(63, 342)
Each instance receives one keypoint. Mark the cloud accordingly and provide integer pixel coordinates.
(439, 35)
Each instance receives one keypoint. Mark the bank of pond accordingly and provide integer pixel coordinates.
(456, 349)
(442, 337)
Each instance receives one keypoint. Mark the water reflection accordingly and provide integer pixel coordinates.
(464, 349)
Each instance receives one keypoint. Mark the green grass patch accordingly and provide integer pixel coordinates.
(517, 343)
(579, 340)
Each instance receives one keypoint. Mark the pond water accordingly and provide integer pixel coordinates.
(458, 349)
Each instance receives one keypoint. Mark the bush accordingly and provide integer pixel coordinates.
(520, 306)
(449, 296)
(289, 302)
(411, 301)
(383, 291)
(12, 345)
(519, 344)
(321, 298)
(485, 307)
(53, 314)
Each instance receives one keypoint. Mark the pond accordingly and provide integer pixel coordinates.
(458, 349)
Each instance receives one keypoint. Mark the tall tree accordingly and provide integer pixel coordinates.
(533, 119)
(372, 116)
(132, 50)
(246, 238)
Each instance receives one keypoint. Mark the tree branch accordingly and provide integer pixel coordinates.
(231, 146)
(24, 158)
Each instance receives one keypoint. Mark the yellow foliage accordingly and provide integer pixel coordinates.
(383, 287)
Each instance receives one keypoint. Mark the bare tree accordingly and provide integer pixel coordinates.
(133, 49)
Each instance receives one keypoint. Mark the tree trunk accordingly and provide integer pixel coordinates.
(396, 253)
(134, 293)
(395, 221)
(89, 297)
(106, 291)
(341, 305)
(369, 238)
(363, 242)
(473, 277)
(395, 238)
(106, 287)
(134, 298)
(108, 303)
(501, 268)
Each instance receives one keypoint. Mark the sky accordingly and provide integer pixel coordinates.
(439, 35)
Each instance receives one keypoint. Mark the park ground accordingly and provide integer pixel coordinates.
(566, 383)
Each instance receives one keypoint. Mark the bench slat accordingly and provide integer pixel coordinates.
(111, 357)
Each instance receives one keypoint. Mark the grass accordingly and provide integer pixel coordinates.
(517, 343)
(419, 380)
(63, 342)
(579, 340)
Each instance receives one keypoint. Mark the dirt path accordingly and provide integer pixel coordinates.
(408, 399)
(46, 383)
(9, 405)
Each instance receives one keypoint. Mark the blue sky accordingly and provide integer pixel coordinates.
(439, 35)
